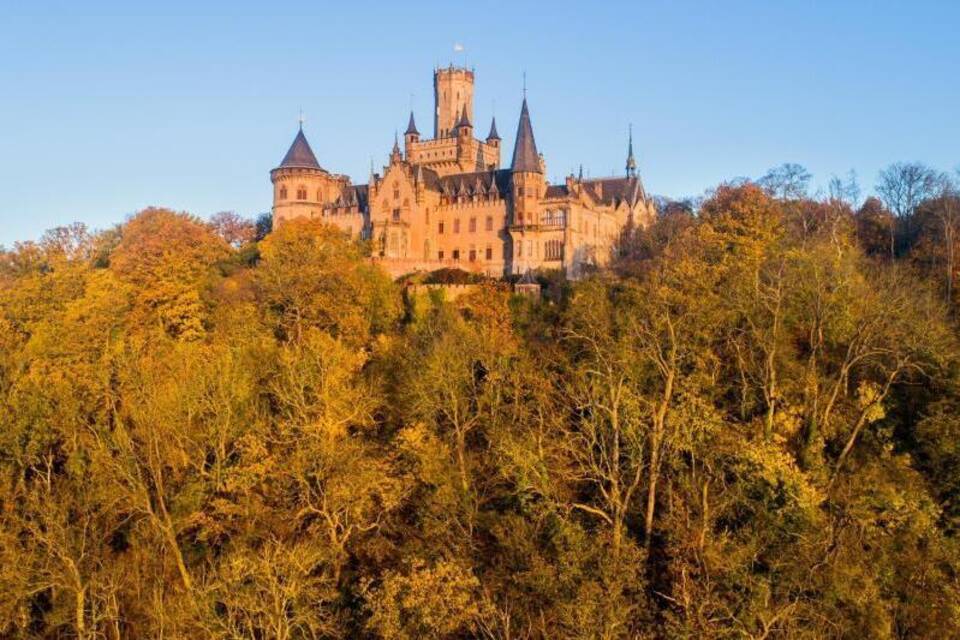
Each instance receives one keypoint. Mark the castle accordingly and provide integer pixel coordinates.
(446, 202)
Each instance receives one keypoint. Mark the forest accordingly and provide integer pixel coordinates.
(746, 426)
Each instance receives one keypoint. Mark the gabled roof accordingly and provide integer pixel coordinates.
(525, 156)
(300, 154)
(496, 181)
(613, 191)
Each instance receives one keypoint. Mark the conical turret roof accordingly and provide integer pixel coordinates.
(300, 154)
(525, 156)
(411, 127)
(464, 119)
(493, 135)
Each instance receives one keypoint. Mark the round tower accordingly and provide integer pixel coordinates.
(300, 184)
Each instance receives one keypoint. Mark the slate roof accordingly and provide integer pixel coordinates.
(300, 155)
(525, 156)
(612, 191)
(493, 135)
(411, 127)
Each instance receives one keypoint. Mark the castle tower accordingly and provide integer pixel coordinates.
(526, 171)
(300, 184)
(453, 92)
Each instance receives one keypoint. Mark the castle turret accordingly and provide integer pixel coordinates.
(395, 155)
(527, 172)
(464, 126)
(411, 134)
(493, 138)
(453, 92)
(300, 184)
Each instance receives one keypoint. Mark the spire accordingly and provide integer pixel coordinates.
(631, 161)
(493, 135)
(464, 120)
(300, 154)
(395, 155)
(411, 126)
(525, 156)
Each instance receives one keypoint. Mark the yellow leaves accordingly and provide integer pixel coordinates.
(425, 601)
(869, 399)
(312, 275)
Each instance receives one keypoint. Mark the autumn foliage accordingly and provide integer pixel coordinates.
(746, 428)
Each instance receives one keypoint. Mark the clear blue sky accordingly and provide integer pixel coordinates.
(108, 107)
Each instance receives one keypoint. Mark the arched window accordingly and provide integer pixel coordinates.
(301, 193)
(283, 193)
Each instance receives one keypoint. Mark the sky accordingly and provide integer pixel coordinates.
(110, 107)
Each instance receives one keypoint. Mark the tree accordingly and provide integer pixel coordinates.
(233, 229)
(903, 186)
(789, 181)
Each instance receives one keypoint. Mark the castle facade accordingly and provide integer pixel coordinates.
(446, 201)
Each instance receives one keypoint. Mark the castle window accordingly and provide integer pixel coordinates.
(396, 215)
(440, 255)
(456, 254)
(553, 250)
(283, 193)
(440, 227)
(489, 223)
(473, 225)
(473, 254)
(456, 225)
(301, 193)
(489, 254)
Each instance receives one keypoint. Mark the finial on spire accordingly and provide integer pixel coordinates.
(524, 84)
(300, 119)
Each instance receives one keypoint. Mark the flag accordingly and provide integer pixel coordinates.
(457, 48)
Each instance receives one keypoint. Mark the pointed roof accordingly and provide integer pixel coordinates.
(464, 120)
(525, 156)
(493, 135)
(411, 126)
(300, 154)
(631, 161)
